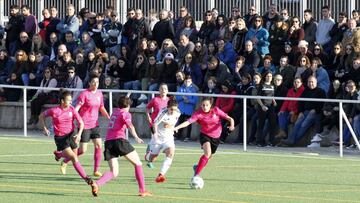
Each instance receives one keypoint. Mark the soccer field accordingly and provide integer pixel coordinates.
(29, 173)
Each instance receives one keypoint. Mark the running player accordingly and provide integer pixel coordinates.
(163, 137)
(210, 131)
(156, 104)
(63, 117)
(117, 145)
(90, 102)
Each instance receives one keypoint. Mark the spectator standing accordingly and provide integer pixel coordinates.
(44, 23)
(324, 27)
(163, 29)
(179, 22)
(69, 23)
(14, 26)
(259, 36)
(30, 24)
(208, 26)
(310, 27)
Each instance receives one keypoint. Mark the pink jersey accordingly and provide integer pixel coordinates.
(210, 122)
(90, 103)
(63, 119)
(157, 104)
(120, 120)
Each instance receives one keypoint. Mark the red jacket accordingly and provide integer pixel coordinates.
(225, 104)
(292, 105)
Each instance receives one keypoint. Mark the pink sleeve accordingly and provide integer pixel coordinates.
(76, 115)
(101, 100)
(127, 120)
(220, 113)
(150, 104)
(81, 98)
(48, 112)
(194, 117)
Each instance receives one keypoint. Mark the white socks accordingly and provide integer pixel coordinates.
(166, 165)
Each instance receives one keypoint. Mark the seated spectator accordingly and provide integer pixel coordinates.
(189, 67)
(217, 69)
(278, 36)
(187, 106)
(303, 50)
(252, 57)
(43, 96)
(321, 54)
(6, 64)
(73, 82)
(168, 72)
(41, 63)
(211, 49)
(10, 94)
(239, 35)
(345, 63)
(87, 44)
(226, 54)
(211, 86)
(303, 64)
(240, 70)
(322, 77)
(167, 46)
(268, 65)
(189, 29)
(20, 69)
(24, 43)
(289, 109)
(290, 53)
(70, 43)
(154, 72)
(309, 113)
(280, 91)
(295, 32)
(185, 46)
(153, 48)
(220, 26)
(354, 72)
(287, 71)
(53, 46)
(39, 45)
(124, 70)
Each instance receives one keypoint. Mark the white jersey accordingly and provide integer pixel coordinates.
(163, 121)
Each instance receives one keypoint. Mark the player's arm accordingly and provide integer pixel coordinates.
(134, 134)
(232, 123)
(182, 125)
(42, 123)
(148, 115)
(104, 112)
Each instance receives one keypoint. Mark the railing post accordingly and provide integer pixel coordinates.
(341, 129)
(2, 12)
(244, 125)
(122, 10)
(82, 4)
(25, 111)
(110, 103)
(351, 7)
(303, 6)
(211, 4)
(39, 13)
(167, 5)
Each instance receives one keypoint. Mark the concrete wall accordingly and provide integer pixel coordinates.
(11, 117)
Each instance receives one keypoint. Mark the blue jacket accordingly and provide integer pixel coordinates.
(323, 80)
(189, 107)
(262, 35)
(262, 69)
(195, 72)
(228, 56)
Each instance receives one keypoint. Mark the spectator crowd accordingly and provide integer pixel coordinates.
(269, 54)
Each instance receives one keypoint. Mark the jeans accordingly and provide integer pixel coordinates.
(133, 85)
(302, 124)
(25, 78)
(284, 118)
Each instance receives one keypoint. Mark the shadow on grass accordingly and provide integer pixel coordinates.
(34, 193)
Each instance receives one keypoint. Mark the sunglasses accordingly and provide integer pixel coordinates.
(47, 71)
(188, 57)
(208, 15)
(19, 54)
(71, 72)
(139, 58)
(317, 49)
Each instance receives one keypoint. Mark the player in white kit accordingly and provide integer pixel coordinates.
(163, 137)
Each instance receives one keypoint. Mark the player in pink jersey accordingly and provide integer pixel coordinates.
(90, 102)
(210, 131)
(156, 104)
(117, 145)
(63, 117)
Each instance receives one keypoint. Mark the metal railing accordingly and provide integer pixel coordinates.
(342, 115)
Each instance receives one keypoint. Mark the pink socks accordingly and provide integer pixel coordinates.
(140, 178)
(202, 163)
(106, 177)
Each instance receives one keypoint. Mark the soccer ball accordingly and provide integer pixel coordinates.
(196, 182)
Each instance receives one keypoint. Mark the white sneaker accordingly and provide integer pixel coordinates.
(142, 97)
(316, 138)
(141, 106)
(314, 145)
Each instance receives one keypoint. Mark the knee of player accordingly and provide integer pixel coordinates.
(115, 173)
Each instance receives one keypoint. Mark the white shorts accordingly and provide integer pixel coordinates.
(156, 148)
